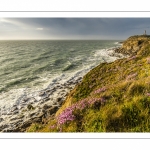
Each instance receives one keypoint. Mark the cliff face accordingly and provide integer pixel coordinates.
(112, 97)
(134, 44)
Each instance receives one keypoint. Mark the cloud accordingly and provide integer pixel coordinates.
(39, 29)
(74, 28)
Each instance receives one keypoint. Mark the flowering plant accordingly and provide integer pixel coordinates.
(71, 113)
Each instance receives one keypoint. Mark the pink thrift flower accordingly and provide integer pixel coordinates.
(103, 89)
(148, 94)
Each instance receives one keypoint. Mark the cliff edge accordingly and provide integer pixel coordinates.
(112, 97)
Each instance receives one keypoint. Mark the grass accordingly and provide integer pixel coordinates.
(121, 90)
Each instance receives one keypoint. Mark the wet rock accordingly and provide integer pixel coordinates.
(46, 107)
(1, 119)
(37, 120)
(41, 94)
(21, 116)
(41, 102)
(59, 99)
(46, 99)
(60, 103)
(15, 112)
(52, 110)
(24, 125)
(54, 103)
(25, 100)
(14, 105)
(30, 107)
(14, 109)
(7, 130)
(66, 94)
(3, 127)
(12, 119)
(32, 114)
(48, 90)
(63, 90)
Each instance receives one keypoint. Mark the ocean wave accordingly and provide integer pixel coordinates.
(69, 67)
(50, 74)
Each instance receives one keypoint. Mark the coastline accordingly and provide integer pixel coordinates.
(32, 110)
(40, 108)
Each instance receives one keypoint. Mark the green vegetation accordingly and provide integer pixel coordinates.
(112, 97)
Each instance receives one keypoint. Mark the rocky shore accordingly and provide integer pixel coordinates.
(36, 108)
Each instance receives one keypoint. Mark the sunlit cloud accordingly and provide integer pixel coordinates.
(39, 28)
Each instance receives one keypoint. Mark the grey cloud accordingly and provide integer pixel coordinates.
(84, 28)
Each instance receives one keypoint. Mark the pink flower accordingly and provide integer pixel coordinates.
(131, 58)
(68, 114)
(148, 94)
(103, 89)
(131, 76)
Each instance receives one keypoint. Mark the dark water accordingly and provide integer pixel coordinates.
(33, 65)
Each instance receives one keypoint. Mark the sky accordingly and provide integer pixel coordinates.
(72, 28)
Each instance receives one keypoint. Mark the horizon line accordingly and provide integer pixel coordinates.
(54, 39)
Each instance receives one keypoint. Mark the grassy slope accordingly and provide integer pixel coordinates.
(124, 85)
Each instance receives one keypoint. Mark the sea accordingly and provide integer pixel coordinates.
(27, 66)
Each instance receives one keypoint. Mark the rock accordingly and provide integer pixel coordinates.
(55, 103)
(48, 90)
(46, 107)
(16, 122)
(37, 120)
(3, 126)
(7, 130)
(59, 99)
(46, 99)
(21, 116)
(25, 100)
(14, 109)
(30, 107)
(52, 110)
(12, 119)
(66, 94)
(24, 125)
(15, 112)
(32, 114)
(41, 94)
(60, 103)
(1, 119)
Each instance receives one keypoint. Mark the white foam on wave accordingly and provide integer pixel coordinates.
(118, 43)
(105, 55)
(8, 99)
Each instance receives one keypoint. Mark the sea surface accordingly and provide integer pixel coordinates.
(29, 66)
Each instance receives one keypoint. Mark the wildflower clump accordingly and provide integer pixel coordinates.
(148, 94)
(69, 114)
(131, 58)
(131, 76)
(103, 89)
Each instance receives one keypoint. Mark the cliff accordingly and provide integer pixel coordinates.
(134, 44)
(112, 97)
